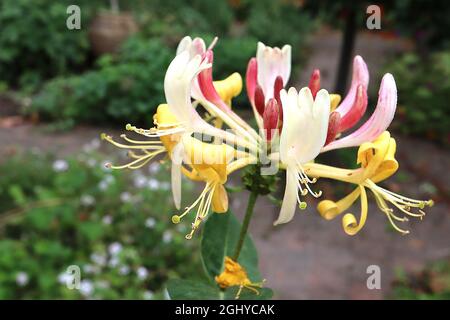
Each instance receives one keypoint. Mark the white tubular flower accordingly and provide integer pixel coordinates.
(272, 62)
(194, 47)
(303, 135)
(267, 74)
(177, 88)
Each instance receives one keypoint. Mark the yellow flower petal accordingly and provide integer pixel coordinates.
(334, 101)
(220, 199)
(329, 209)
(229, 87)
(349, 223)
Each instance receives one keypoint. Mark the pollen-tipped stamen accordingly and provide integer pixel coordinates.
(404, 204)
(204, 203)
(156, 132)
(303, 178)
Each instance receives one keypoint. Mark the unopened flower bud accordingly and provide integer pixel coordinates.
(277, 87)
(314, 82)
(357, 110)
(271, 118)
(333, 126)
(259, 100)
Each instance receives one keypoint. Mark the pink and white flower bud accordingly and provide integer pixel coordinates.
(251, 79)
(205, 81)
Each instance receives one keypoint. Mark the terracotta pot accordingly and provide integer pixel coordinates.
(109, 30)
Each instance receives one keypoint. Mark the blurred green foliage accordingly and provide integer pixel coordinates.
(124, 88)
(412, 18)
(432, 283)
(35, 42)
(128, 86)
(56, 213)
(424, 92)
(277, 23)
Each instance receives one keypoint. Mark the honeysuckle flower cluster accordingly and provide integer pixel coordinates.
(205, 140)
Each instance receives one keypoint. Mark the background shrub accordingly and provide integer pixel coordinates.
(60, 212)
(125, 88)
(424, 87)
(35, 42)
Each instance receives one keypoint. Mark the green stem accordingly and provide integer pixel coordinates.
(245, 224)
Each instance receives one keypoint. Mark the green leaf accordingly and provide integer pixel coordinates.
(179, 289)
(247, 294)
(219, 239)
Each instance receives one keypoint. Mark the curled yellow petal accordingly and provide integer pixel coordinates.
(329, 209)
(209, 160)
(349, 222)
(389, 165)
(220, 199)
(371, 154)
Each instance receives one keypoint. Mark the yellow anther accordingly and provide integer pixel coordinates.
(176, 219)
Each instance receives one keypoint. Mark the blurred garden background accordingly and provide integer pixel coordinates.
(61, 88)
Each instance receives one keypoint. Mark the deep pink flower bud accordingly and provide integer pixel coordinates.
(314, 82)
(251, 79)
(205, 81)
(333, 126)
(356, 111)
(277, 87)
(259, 100)
(271, 118)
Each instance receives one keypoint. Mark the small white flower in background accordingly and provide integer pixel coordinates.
(98, 259)
(153, 184)
(86, 287)
(115, 248)
(87, 200)
(142, 273)
(148, 295)
(92, 145)
(154, 167)
(22, 278)
(103, 185)
(109, 178)
(91, 162)
(102, 284)
(89, 268)
(125, 197)
(165, 185)
(107, 219)
(167, 236)
(60, 165)
(181, 228)
(150, 223)
(124, 270)
(106, 182)
(113, 262)
(65, 278)
(140, 181)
